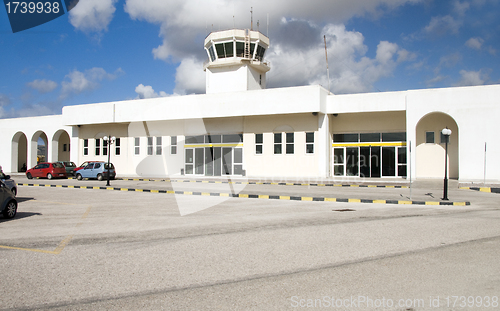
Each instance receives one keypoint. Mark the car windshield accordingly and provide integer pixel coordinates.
(58, 165)
(110, 166)
(69, 164)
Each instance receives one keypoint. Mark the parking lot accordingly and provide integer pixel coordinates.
(156, 245)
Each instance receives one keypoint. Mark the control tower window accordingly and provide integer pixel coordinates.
(229, 49)
(212, 53)
(240, 49)
(220, 50)
(260, 53)
(224, 50)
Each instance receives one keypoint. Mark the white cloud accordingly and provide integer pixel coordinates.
(460, 8)
(92, 15)
(43, 86)
(146, 91)
(351, 71)
(442, 25)
(77, 82)
(470, 78)
(190, 77)
(475, 43)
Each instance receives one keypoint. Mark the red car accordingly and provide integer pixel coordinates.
(47, 170)
(82, 166)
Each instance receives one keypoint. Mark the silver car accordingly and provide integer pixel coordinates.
(8, 202)
(10, 183)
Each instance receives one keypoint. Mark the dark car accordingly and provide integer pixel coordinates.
(47, 170)
(10, 183)
(70, 167)
(8, 202)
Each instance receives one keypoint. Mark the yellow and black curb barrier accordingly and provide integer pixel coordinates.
(482, 189)
(256, 196)
(264, 183)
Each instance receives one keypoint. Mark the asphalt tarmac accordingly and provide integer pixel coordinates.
(96, 249)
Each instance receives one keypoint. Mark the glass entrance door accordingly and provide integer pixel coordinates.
(369, 162)
(214, 161)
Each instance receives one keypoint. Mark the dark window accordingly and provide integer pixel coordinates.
(260, 53)
(258, 149)
(429, 137)
(309, 142)
(259, 138)
(85, 147)
(277, 143)
(97, 146)
(104, 147)
(369, 137)
(240, 49)
(259, 141)
(345, 138)
(289, 143)
(117, 146)
(229, 49)
(220, 50)
(394, 136)
(211, 52)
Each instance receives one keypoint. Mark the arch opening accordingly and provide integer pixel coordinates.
(430, 151)
(19, 152)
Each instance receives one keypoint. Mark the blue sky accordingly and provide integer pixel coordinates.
(109, 50)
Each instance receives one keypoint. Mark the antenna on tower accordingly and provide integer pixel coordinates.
(258, 25)
(268, 25)
(327, 69)
(251, 18)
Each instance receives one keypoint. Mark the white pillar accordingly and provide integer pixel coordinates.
(75, 145)
(323, 145)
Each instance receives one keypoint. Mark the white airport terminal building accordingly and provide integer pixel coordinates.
(240, 128)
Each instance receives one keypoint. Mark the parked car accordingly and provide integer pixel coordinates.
(82, 166)
(70, 167)
(10, 183)
(47, 170)
(8, 202)
(98, 170)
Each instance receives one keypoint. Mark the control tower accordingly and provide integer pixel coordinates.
(236, 61)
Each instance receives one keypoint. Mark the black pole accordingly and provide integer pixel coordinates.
(445, 191)
(109, 159)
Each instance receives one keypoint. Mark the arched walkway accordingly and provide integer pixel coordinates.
(19, 151)
(431, 147)
(39, 147)
(61, 146)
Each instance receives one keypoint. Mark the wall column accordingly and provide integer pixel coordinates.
(323, 145)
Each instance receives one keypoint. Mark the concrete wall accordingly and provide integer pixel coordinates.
(475, 111)
(268, 164)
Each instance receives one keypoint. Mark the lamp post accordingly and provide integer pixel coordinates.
(446, 134)
(109, 141)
